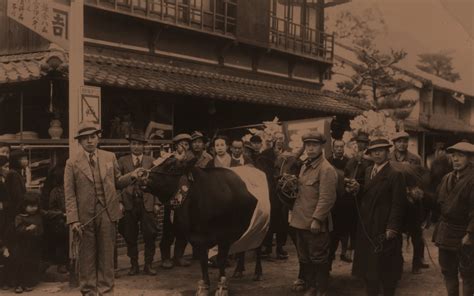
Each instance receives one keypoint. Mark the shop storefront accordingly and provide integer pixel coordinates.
(158, 99)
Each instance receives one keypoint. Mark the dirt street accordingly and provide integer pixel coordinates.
(278, 276)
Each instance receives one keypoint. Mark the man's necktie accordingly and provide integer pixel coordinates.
(374, 173)
(137, 162)
(91, 160)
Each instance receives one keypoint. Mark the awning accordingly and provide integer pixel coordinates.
(131, 73)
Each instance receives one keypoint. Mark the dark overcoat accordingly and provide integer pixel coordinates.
(382, 206)
(126, 166)
(266, 162)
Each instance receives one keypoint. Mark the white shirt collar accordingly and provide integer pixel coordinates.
(89, 153)
(134, 157)
(380, 167)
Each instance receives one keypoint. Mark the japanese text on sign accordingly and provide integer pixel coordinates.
(45, 17)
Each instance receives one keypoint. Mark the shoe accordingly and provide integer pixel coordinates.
(28, 289)
(18, 290)
(299, 285)
(281, 253)
(134, 269)
(181, 262)
(416, 270)
(345, 258)
(62, 269)
(311, 292)
(167, 264)
(423, 264)
(148, 269)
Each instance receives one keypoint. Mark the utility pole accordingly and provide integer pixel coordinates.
(76, 81)
(76, 69)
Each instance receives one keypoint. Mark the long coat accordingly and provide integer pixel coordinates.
(79, 186)
(126, 166)
(266, 162)
(383, 206)
(455, 202)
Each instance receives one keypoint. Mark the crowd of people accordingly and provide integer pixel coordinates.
(364, 203)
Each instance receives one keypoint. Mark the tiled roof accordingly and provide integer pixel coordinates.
(21, 67)
(131, 73)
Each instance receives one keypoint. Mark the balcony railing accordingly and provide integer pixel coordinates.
(300, 39)
(214, 16)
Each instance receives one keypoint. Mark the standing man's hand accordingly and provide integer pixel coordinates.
(315, 226)
(156, 209)
(390, 234)
(122, 208)
(468, 240)
(77, 228)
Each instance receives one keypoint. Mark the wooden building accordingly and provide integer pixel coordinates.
(182, 64)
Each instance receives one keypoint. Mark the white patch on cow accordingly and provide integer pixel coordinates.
(256, 183)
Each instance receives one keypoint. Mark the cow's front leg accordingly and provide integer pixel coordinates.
(203, 285)
(258, 265)
(222, 255)
(240, 267)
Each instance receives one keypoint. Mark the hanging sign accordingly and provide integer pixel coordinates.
(48, 18)
(90, 104)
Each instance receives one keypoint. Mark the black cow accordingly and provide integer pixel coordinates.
(217, 209)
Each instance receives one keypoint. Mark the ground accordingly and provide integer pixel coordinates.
(278, 276)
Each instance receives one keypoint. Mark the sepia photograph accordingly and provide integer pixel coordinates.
(237, 147)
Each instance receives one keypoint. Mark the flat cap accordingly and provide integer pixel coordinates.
(86, 128)
(378, 143)
(361, 137)
(137, 136)
(197, 135)
(314, 137)
(181, 137)
(463, 147)
(400, 135)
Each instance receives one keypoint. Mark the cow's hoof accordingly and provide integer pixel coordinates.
(257, 278)
(222, 287)
(238, 274)
(203, 289)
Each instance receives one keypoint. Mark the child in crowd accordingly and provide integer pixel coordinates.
(27, 251)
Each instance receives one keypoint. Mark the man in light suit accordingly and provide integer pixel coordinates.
(92, 208)
(140, 208)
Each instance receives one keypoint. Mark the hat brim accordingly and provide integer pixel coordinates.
(315, 141)
(142, 140)
(402, 137)
(87, 133)
(370, 148)
(452, 150)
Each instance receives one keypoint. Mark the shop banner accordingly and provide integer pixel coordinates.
(295, 129)
(90, 104)
(48, 18)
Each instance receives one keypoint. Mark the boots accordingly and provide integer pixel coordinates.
(148, 269)
(134, 269)
(452, 286)
(322, 278)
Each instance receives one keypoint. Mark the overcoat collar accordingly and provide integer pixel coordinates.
(382, 174)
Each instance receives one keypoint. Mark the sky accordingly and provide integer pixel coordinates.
(420, 26)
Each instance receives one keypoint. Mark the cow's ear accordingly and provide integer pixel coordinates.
(190, 177)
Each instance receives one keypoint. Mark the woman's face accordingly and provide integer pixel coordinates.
(4, 169)
(24, 162)
(221, 147)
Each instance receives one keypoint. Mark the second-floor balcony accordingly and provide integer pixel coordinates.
(212, 16)
(283, 26)
(301, 39)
